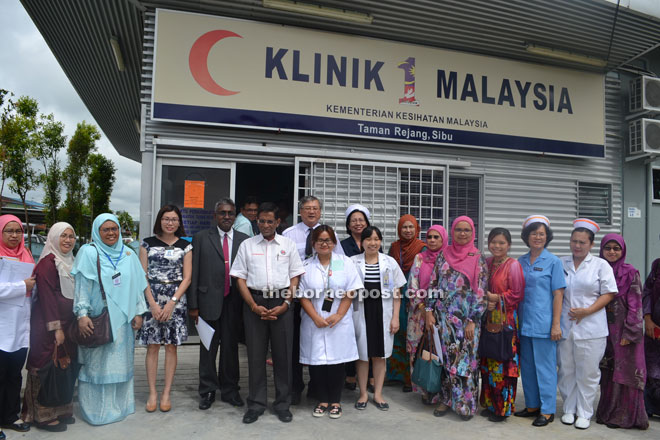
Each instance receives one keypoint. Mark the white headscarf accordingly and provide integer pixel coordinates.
(63, 262)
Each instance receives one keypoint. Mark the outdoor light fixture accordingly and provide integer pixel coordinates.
(565, 55)
(318, 10)
(116, 51)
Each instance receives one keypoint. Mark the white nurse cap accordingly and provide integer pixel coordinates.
(536, 218)
(586, 223)
(357, 207)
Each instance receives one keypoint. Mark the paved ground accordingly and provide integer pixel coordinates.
(407, 417)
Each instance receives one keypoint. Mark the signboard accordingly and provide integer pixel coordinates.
(193, 194)
(222, 71)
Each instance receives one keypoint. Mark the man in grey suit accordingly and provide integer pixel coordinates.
(213, 297)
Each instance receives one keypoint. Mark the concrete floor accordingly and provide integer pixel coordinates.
(407, 417)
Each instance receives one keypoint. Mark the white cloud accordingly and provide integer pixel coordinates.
(27, 67)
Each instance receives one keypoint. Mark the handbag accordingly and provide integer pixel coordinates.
(496, 341)
(427, 370)
(102, 333)
(56, 384)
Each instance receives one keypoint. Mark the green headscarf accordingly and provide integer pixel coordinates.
(122, 300)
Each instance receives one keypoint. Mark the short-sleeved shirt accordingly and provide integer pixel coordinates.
(267, 264)
(244, 225)
(541, 279)
(593, 278)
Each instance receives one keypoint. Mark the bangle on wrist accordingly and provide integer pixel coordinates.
(429, 309)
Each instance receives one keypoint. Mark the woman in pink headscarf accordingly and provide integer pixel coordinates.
(623, 368)
(418, 283)
(14, 325)
(456, 302)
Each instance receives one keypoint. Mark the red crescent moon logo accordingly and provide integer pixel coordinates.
(198, 61)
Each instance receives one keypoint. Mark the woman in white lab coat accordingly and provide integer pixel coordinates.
(376, 316)
(590, 285)
(327, 334)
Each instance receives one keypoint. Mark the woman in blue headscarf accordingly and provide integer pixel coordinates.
(105, 382)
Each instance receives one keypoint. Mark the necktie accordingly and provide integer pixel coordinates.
(225, 251)
(308, 244)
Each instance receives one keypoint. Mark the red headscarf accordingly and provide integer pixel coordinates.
(19, 252)
(404, 251)
(464, 258)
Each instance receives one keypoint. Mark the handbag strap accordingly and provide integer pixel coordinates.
(66, 353)
(98, 268)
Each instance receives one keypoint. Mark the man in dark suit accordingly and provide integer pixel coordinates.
(213, 297)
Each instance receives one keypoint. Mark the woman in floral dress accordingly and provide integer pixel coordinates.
(167, 259)
(456, 303)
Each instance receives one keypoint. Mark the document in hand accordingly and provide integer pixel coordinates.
(12, 271)
(205, 332)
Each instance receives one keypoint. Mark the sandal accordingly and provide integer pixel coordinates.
(335, 411)
(320, 410)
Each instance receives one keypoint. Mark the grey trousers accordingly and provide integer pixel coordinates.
(258, 333)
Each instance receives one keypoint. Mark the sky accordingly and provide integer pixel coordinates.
(27, 67)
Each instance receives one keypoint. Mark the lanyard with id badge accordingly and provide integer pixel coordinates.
(116, 278)
(328, 297)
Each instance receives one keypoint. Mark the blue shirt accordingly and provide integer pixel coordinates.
(541, 279)
(242, 224)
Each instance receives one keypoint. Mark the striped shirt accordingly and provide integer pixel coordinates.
(371, 273)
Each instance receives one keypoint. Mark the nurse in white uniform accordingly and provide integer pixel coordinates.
(590, 285)
(327, 335)
(376, 316)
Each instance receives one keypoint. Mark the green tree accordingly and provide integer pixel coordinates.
(3, 152)
(81, 145)
(18, 136)
(46, 151)
(101, 179)
(126, 221)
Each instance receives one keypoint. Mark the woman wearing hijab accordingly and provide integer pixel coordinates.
(651, 310)
(506, 288)
(404, 251)
(461, 275)
(52, 312)
(105, 382)
(14, 325)
(418, 283)
(623, 370)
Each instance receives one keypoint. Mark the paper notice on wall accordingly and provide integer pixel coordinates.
(193, 194)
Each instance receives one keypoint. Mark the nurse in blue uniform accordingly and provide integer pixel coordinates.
(540, 314)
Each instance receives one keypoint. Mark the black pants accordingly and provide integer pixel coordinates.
(11, 364)
(328, 381)
(298, 384)
(227, 333)
(258, 333)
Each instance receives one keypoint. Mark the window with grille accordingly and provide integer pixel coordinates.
(422, 196)
(465, 199)
(595, 202)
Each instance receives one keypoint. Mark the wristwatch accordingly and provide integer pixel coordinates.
(288, 302)
(175, 299)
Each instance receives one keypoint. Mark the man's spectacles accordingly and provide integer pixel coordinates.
(225, 213)
(265, 222)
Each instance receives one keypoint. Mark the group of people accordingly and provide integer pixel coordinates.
(353, 314)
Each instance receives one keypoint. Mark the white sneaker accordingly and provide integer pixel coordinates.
(568, 419)
(582, 423)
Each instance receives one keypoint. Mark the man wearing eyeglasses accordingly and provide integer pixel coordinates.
(267, 270)
(301, 234)
(214, 297)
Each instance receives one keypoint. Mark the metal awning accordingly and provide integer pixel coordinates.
(79, 32)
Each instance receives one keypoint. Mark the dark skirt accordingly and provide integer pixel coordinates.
(620, 405)
(373, 318)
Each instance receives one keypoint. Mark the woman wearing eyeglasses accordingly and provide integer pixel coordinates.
(14, 325)
(167, 259)
(327, 336)
(105, 382)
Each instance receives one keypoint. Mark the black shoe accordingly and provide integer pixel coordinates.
(68, 420)
(20, 427)
(495, 418)
(206, 400)
(284, 415)
(466, 417)
(251, 416)
(295, 398)
(407, 389)
(440, 413)
(360, 405)
(350, 385)
(383, 406)
(60, 427)
(542, 420)
(612, 426)
(485, 412)
(526, 413)
(234, 400)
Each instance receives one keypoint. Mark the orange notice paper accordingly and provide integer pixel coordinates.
(193, 194)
